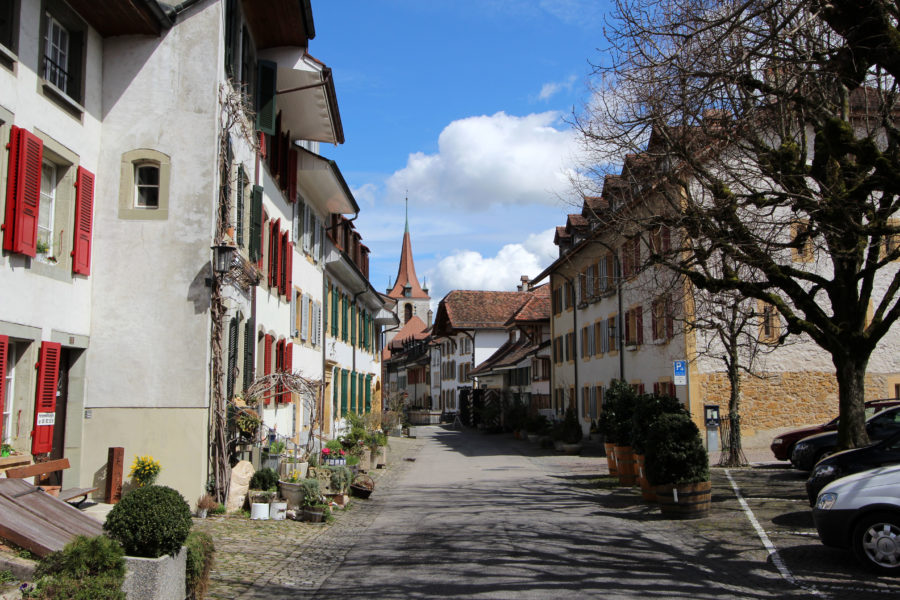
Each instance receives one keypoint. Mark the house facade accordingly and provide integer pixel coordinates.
(126, 165)
(615, 317)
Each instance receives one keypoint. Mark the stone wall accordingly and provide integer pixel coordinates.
(781, 400)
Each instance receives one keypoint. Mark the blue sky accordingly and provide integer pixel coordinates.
(464, 104)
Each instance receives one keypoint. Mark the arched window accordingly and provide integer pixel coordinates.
(407, 312)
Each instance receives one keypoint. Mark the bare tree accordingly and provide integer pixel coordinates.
(764, 133)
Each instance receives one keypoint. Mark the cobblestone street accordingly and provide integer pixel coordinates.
(478, 516)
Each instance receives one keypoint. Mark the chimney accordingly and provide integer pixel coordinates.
(525, 285)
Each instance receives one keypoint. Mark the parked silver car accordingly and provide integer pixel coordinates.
(862, 512)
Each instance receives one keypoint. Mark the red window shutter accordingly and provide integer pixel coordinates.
(4, 357)
(279, 368)
(639, 324)
(283, 264)
(84, 208)
(45, 398)
(267, 362)
(656, 388)
(628, 327)
(23, 192)
(670, 320)
(287, 365)
(666, 241)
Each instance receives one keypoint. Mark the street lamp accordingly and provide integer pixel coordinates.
(223, 254)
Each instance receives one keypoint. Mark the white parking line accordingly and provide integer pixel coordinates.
(767, 543)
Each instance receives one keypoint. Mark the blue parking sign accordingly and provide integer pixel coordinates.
(680, 372)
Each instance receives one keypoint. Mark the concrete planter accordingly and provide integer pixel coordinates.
(155, 578)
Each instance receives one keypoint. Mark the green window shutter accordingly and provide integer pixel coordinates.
(343, 392)
(368, 393)
(249, 346)
(334, 313)
(265, 96)
(255, 223)
(353, 318)
(239, 229)
(232, 358)
(354, 404)
(344, 329)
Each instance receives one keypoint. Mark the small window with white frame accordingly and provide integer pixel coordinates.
(146, 185)
(47, 208)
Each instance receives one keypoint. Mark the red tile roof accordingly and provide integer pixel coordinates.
(536, 308)
(471, 309)
(415, 329)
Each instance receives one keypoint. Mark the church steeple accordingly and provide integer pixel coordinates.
(407, 284)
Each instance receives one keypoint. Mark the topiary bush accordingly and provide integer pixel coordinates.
(199, 561)
(675, 452)
(615, 416)
(647, 409)
(150, 521)
(264, 479)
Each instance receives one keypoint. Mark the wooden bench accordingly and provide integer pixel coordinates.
(51, 466)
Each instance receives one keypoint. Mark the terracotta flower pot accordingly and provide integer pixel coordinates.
(625, 465)
(610, 450)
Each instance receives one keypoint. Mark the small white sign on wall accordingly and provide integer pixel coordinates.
(46, 418)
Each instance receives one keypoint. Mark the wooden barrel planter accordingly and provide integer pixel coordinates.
(648, 492)
(684, 501)
(625, 465)
(610, 450)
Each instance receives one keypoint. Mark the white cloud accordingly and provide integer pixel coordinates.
(470, 270)
(548, 90)
(365, 194)
(492, 160)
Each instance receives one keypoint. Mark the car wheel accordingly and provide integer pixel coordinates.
(876, 542)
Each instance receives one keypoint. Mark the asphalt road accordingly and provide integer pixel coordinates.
(478, 516)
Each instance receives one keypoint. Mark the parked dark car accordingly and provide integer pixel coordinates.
(841, 464)
(811, 450)
(783, 445)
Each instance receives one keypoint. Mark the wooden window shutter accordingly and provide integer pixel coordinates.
(263, 232)
(256, 223)
(230, 42)
(288, 264)
(287, 365)
(292, 175)
(304, 317)
(84, 208)
(4, 357)
(267, 362)
(274, 254)
(23, 192)
(231, 373)
(248, 354)
(279, 368)
(670, 320)
(639, 324)
(628, 332)
(353, 399)
(239, 207)
(343, 392)
(265, 96)
(45, 397)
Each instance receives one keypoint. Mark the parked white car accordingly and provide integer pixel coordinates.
(862, 512)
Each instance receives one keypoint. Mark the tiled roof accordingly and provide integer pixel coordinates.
(536, 308)
(471, 309)
(414, 328)
(406, 273)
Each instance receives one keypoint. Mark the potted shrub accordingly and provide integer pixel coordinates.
(362, 486)
(647, 409)
(678, 466)
(571, 433)
(605, 426)
(312, 506)
(341, 478)
(271, 456)
(151, 523)
(85, 568)
(263, 488)
(623, 397)
(205, 504)
(534, 426)
(376, 441)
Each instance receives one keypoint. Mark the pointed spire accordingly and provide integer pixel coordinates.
(407, 284)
